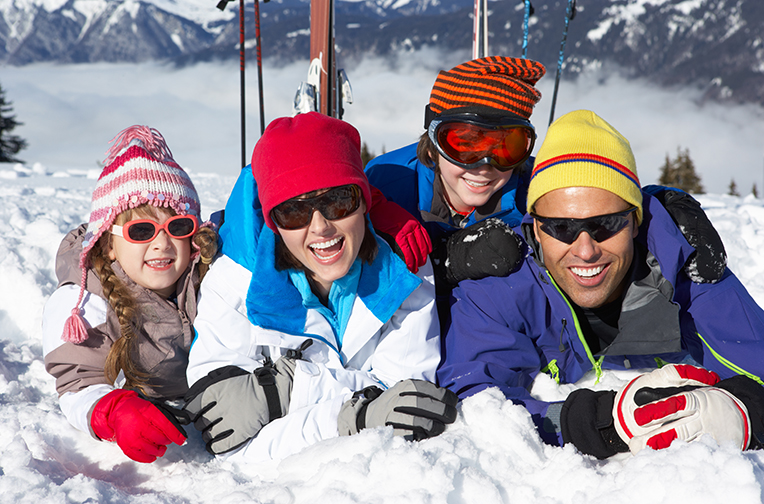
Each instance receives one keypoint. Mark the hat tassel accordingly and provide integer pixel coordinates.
(75, 327)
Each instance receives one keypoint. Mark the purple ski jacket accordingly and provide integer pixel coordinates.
(505, 331)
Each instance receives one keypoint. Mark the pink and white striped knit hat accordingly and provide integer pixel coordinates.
(139, 169)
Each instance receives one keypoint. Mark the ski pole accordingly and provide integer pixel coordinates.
(221, 5)
(526, 20)
(259, 65)
(570, 13)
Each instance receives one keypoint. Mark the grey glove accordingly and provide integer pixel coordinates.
(231, 405)
(416, 409)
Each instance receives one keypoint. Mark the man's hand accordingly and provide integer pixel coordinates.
(675, 402)
(709, 261)
(486, 248)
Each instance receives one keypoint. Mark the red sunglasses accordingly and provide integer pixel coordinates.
(145, 230)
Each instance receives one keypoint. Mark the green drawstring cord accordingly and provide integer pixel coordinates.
(553, 370)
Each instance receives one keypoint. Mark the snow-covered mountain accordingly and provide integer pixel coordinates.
(715, 44)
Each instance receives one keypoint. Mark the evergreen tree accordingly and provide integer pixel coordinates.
(754, 191)
(680, 173)
(10, 145)
(733, 188)
(366, 155)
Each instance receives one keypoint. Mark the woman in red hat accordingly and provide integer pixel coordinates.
(310, 326)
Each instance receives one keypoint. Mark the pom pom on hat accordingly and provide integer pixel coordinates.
(305, 153)
(582, 150)
(139, 169)
(490, 86)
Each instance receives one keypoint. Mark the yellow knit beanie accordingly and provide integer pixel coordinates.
(582, 150)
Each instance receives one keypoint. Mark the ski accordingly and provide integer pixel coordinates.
(327, 89)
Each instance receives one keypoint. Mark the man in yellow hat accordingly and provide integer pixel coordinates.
(604, 287)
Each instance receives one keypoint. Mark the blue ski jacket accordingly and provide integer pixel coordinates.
(403, 179)
(505, 331)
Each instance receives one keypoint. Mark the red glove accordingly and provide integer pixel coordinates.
(138, 426)
(389, 218)
(678, 402)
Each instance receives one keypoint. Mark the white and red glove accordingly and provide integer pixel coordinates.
(678, 401)
(138, 426)
(409, 238)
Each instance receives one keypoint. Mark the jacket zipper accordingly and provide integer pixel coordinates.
(596, 363)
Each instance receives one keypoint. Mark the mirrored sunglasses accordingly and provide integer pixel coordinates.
(334, 204)
(600, 228)
(145, 230)
(469, 141)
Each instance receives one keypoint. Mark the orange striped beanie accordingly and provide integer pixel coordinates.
(494, 85)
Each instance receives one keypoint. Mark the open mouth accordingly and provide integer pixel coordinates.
(472, 183)
(327, 250)
(587, 272)
(159, 264)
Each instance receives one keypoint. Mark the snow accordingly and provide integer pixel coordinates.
(491, 454)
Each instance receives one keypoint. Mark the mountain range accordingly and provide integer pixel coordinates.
(717, 45)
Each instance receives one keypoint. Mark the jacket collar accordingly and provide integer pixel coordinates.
(273, 302)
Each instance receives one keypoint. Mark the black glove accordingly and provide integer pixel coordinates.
(231, 405)
(416, 409)
(586, 420)
(487, 248)
(708, 262)
(751, 394)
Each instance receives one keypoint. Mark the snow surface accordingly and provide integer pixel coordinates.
(491, 454)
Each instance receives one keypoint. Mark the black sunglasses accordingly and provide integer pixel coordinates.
(600, 228)
(335, 203)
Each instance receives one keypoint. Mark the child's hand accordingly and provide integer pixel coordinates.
(401, 230)
(138, 427)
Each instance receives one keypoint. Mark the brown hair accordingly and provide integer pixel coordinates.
(122, 302)
(427, 153)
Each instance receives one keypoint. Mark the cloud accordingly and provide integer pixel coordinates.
(70, 112)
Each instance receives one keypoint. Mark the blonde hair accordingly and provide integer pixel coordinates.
(122, 302)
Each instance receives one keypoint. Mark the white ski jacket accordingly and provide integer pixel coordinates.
(391, 334)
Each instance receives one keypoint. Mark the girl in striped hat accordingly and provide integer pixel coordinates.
(116, 332)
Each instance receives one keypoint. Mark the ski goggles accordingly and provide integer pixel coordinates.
(469, 141)
(334, 204)
(145, 230)
(600, 228)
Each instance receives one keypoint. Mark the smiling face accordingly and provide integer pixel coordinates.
(326, 247)
(591, 273)
(468, 189)
(156, 265)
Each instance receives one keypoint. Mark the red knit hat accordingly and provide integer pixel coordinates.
(305, 153)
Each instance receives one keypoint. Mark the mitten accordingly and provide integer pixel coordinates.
(416, 409)
(141, 429)
(230, 405)
(679, 402)
(400, 229)
(709, 261)
(487, 248)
